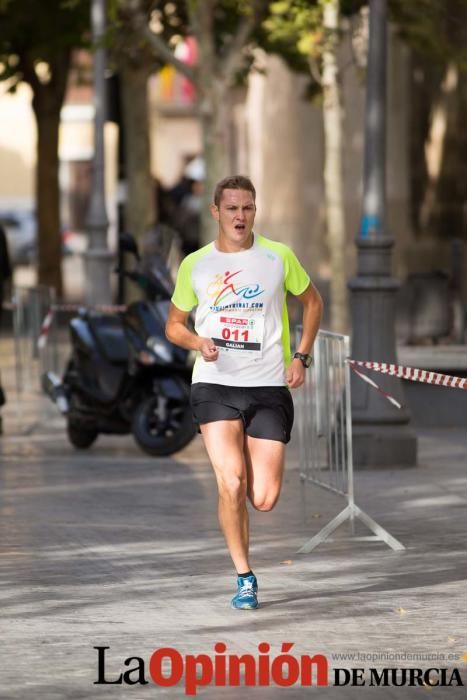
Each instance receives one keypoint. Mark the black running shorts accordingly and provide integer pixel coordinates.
(266, 411)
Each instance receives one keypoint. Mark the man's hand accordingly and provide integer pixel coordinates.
(177, 332)
(208, 350)
(295, 374)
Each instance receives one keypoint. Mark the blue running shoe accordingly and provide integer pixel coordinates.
(247, 592)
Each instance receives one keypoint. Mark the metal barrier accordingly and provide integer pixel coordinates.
(30, 307)
(325, 434)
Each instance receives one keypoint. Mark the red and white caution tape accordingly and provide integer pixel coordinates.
(415, 375)
(369, 381)
(44, 332)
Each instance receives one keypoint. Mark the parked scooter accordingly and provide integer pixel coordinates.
(123, 374)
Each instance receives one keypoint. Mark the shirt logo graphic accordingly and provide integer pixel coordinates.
(224, 287)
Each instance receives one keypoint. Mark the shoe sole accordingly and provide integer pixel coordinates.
(234, 607)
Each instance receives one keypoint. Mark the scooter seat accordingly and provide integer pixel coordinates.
(110, 336)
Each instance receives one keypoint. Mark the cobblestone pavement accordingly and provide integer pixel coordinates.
(112, 548)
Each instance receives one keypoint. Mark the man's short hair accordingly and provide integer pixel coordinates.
(233, 182)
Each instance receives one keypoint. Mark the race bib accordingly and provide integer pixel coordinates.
(239, 334)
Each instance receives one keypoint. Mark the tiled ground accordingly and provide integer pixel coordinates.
(112, 548)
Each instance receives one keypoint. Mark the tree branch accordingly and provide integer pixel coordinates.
(160, 49)
(201, 18)
(26, 66)
(314, 70)
(139, 21)
(60, 68)
(234, 57)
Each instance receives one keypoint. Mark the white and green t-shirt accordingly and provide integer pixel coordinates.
(241, 305)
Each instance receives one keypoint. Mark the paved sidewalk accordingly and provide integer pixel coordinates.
(113, 548)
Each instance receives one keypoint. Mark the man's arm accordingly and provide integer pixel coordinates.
(312, 312)
(177, 332)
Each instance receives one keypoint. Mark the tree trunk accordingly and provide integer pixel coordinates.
(140, 211)
(214, 73)
(212, 94)
(47, 103)
(214, 130)
(436, 143)
(212, 77)
(333, 177)
(47, 112)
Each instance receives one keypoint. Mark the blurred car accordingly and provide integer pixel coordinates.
(20, 226)
(21, 232)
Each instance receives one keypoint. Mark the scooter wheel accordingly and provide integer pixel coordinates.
(162, 438)
(80, 437)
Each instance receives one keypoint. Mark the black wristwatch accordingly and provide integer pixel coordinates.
(306, 360)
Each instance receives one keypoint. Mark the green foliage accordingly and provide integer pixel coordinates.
(290, 28)
(217, 21)
(227, 15)
(40, 30)
(436, 28)
(294, 30)
(172, 17)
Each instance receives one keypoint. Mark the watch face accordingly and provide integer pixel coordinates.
(306, 360)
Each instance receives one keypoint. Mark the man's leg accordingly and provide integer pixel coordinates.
(224, 441)
(265, 468)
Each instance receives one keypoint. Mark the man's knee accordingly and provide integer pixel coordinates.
(263, 503)
(233, 489)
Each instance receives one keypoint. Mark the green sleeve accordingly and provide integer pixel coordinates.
(184, 296)
(296, 278)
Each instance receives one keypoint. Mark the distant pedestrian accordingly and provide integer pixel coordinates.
(5, 279)
(5, 268)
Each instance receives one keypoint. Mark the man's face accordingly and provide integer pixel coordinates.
(236, 215)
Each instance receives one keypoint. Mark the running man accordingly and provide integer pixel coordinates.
(243, 372)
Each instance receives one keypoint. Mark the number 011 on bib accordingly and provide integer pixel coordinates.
(239, 334)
